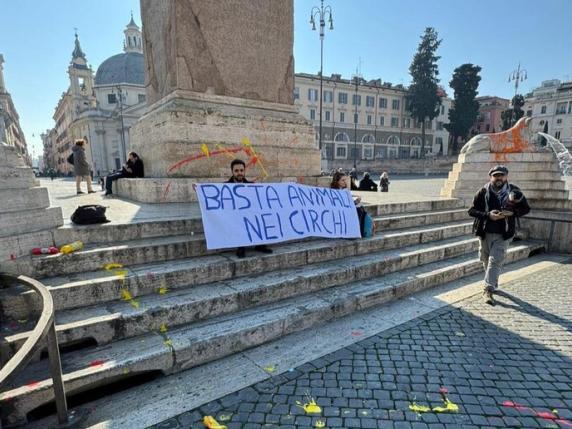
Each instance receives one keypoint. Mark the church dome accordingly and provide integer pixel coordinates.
(127, 67)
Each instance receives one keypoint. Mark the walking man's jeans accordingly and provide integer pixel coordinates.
(492, 254)
(109, 181)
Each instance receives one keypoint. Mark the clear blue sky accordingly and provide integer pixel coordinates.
(36, 38)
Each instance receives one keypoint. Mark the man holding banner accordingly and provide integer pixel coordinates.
(238, 169)
(239, 213)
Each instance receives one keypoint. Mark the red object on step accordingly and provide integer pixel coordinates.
(45, 250)
(96, 363)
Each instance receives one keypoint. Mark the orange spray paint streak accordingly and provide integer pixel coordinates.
(542, 414)
(166, 192)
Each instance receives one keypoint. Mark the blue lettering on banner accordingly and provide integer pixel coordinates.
(294, 213)
(268, 226)
(242, 197)
(275, 197)
(226, 195)
(211, 197)
(250, 226)
(323, 222)
(293, 195)
(324, 192)
(256, 189)
(314, 219)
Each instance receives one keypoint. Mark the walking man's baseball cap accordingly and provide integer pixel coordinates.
(499, 169)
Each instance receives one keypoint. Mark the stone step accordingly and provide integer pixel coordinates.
(26, 221)
(412, 220)
(109, 322)
(99, 286)
(544, 185)
(482, 168)
(17, 177)
(481, 175)
(507, 158)
(14, 200)
(10, 158)
(531, 194)
(112, 232)
(192, 345)
(191, 244)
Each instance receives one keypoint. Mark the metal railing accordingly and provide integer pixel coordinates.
(44, 328)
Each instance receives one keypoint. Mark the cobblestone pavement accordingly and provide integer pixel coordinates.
(488, 358)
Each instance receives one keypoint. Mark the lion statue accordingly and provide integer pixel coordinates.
(514, 140)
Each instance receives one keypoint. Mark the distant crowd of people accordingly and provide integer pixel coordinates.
(366, 183)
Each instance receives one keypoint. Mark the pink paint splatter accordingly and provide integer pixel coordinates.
(357, 333)
(96, 363)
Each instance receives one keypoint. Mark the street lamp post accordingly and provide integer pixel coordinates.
(356, 81)
(320, 14)
(516, 76)
(123, 150)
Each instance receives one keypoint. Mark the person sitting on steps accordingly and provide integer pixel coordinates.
(238, 169)
(132, 168)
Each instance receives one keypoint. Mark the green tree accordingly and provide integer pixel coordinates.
(510, 116)
(423, 100)
(462, 115)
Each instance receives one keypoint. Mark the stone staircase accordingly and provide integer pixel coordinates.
(176, 305)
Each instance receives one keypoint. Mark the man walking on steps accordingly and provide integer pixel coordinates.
(496, 207)
(238, 169)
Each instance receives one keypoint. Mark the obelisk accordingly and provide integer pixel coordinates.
(219, 81)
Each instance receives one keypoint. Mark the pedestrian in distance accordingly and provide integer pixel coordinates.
(238, 169)
(496, 208)
(366, 184)
(384, 182)
(81, 167)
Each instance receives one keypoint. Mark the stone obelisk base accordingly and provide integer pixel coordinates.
(192, 137)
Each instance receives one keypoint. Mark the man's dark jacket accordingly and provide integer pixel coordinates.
(479, 211)
(366, 184)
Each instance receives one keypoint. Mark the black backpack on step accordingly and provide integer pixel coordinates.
(90, 214)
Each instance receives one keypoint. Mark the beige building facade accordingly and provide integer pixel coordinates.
(100, 108)
(550, 107)
(385, 130)
(10, 131)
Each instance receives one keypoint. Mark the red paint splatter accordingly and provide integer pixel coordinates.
(12, 257)
(357, 333)
(32, 384)
(96, 363)
(443, 390)
(546, 415)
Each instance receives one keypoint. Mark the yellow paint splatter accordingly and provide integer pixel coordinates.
(205, 150)
(126, 295)
(162, 290)
(270, 368)
(246, 142)
(134, 303)
(125, 370)
(112, 266)
(168, 343)
(310, 407)
(419, 408)
(211, 423)
(163, 328)
(449, 407)
(320, 424)
(224, 417)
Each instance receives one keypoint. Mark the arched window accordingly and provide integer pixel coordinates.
(394, 140)
(415, 141)
(341, 137)
(368, 138)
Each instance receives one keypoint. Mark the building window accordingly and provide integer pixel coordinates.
(312, 94)
(488, 128)
(557, 135)
(368, 138)
(439, 125)
(407, 122)
(570, 107)
(393, 140)
(442, 109)
(543, 110)
(356, 118)
(312, 114)
(367, 151)
(342, 117)
(328, 96)
(354, 151)
(529, 113)
(356, 99)
(369, 119)
(395, 104)
(428, 125)
(369, 101)
(561, 108)
(327, 115)
(395, 122)
(111, 98)
(141, 98)
(383, 103)
(559, 120)
(381, 121)
(341, 151)
(342, 97)
(341, 137)
(296, 93)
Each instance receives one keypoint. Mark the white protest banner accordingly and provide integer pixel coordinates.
(236, 215)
